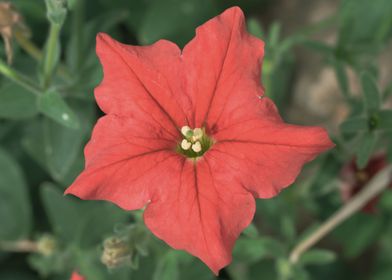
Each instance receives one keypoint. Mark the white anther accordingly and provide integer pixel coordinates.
(185, 144)
(196, 147)
(197, 134)
(185, 129)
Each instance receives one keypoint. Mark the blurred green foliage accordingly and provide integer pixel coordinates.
(47, 112)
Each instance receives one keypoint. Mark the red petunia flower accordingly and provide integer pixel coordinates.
(355, 179)
(189, 134)
(76, 276)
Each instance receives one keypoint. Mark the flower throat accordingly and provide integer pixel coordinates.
(195, 142)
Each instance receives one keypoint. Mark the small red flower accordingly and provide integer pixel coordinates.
(76, 276)
(189, 135)
(355, 179)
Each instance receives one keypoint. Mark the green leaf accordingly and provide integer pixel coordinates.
(251, 250)
(53, 105)
(274, 34)
(317, 257)
(384, 120)
(388, 138)
(341, 76)
(58, 149)
(354, 124)
(16, 102)
(365, 148)
(73, 220)
(364, 25)
(382, 274)
(192, 268)
(15, 208)
(53, 146)
(63, 213)
(251, 231)
(265, 268)
(175, 20)
(371, 94)
(386, 201)
(299, 273)
(318, 46)
(284, 268)
(167, 268)
(72, 3)
(255, 28)
(358, 233)
(324, 180)
(288, 228)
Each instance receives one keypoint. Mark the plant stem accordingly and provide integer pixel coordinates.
(28, 46)
(19, 78)
(380, 182)
(51, 56)
(31, 49)
(21, 246)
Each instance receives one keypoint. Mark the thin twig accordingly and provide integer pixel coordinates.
(371, 190)
(20, 246)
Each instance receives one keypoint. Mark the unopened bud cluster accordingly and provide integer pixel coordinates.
(46, 245)
(125, 247)
(116, 252)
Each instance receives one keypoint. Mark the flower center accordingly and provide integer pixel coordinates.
(195, 142)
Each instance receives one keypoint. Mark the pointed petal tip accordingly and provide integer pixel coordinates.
(327, 141)
(218, 267)
(233, 10)
(67, 191)
(103, 42)
(101, 36)
(70, 191)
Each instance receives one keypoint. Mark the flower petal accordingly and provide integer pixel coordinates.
(267, 154)
(76, 276)
(223, 64)
(204, 213)
(142, 82)
(124, 161)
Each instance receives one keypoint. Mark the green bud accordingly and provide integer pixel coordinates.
(56, 11)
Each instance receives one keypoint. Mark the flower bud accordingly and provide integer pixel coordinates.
(116, 252)
(46, 245)
(129, 243)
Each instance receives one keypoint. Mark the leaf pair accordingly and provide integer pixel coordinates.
(370, 122)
